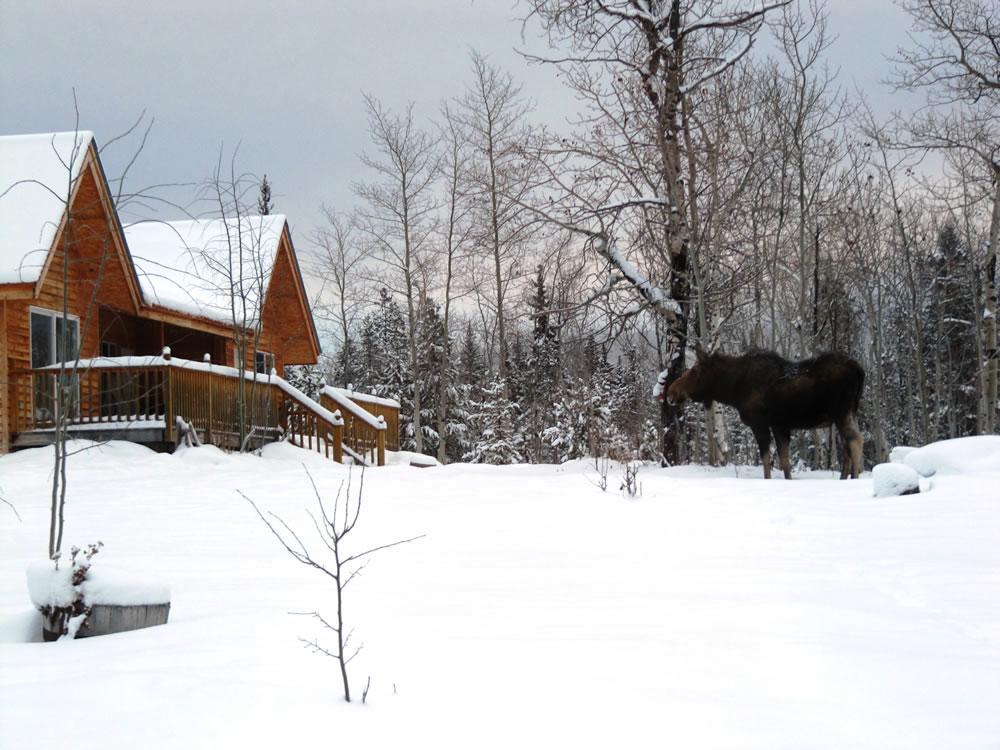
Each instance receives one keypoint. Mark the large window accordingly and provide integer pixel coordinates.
(53, 339)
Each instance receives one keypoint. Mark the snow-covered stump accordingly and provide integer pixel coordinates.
(77, 601)
(890, 480)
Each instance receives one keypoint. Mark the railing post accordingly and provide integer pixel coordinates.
(338, 439)
(168, 398)
(208, 427)
(380, 442)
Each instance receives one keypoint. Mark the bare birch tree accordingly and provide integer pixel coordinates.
(635, 64)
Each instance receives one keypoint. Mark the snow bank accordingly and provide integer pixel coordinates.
(899, 453)
(969, 455)
(889, 480)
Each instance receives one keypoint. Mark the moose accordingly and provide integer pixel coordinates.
(775, 396)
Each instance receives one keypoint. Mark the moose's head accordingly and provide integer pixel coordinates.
(694, 383)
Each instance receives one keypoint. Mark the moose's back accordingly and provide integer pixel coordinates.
(807, 393)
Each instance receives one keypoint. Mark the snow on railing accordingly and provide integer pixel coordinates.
(346, 402)
(150, 361)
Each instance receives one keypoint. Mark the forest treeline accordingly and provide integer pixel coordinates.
(520, 288)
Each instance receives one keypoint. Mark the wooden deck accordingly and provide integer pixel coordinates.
(141, 399)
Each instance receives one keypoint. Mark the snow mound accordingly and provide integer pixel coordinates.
(283, 450)
(409, 458)
(969, 455)
(898, 454)
(49, 587)
(104, 585)
(209, 455)
(889, 480)
(109, 585)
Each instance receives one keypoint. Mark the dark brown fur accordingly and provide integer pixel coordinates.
(776, 396)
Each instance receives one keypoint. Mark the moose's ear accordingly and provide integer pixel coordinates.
(700, 353)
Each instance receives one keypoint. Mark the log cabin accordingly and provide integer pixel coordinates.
(147, 323)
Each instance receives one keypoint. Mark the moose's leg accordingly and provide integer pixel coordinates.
(782, 439)
(763, 435)
(854, 444)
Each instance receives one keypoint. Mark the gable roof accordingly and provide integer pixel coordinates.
(197, 267)
(38, 174)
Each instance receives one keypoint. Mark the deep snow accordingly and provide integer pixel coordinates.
(716, 610)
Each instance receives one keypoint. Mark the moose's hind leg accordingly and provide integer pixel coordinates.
(783, 439)
(853, 457)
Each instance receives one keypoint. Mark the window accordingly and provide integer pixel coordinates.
(263, 362)
(53, 339)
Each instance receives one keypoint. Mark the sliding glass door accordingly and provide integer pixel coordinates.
(54, 339)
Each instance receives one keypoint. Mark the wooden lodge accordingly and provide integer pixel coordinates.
(143, 324)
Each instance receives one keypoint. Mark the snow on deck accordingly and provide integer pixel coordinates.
(717, 610)
(36, 175)
(192, 266)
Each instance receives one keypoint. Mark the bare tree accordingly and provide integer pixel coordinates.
(339, 257)
(397, 217)
(502, 176)
(332, 527)
(953, 55)
(456, 231)
(635, 64)
(239, 256)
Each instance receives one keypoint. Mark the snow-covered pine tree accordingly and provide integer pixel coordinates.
(307, 378)
(543, 371)
(264, 204)
(498, 441)
(347, 364)
(430, 353)
(382, 366)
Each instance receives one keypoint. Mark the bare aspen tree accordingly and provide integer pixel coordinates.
(456, 230)
(397, 218)
(502, 175)
(635, 65)
(338, 260)
(952, 56)
(238, 257)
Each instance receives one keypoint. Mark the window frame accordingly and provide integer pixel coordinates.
(268, 359)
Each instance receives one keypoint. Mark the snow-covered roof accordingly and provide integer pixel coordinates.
(36, 174)
(194, 267)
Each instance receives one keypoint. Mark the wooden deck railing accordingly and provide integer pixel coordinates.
(388, 409)
(137, 391)
(364, 432)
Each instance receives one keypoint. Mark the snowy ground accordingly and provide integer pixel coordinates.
(717, 610)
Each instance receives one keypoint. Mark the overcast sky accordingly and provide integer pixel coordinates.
(284, 79)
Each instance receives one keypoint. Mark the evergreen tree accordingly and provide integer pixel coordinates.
(543, 374)
(498, 440)
(307, 378)
(382, 368)
(264, 204)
